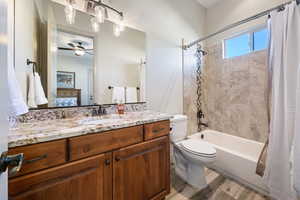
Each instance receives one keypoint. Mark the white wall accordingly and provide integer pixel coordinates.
(117, 60)
(166, 22)
(81, 67)
(25, 39)
(230, 11)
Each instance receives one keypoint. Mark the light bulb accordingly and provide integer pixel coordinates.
(121, 23)
(106, 13)
(117, 30)
(70, 13)
(99, 13)
(95, 24)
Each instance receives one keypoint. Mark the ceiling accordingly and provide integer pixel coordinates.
(208, 3)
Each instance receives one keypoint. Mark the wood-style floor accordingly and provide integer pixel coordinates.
(219, 188)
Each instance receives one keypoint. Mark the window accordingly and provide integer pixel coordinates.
(246, 43)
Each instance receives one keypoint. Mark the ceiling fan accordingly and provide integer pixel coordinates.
(78, 48)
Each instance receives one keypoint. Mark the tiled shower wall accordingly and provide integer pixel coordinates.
(234, 93)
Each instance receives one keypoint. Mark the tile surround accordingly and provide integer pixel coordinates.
(234, 93)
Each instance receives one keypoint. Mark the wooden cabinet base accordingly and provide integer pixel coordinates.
(116, 165)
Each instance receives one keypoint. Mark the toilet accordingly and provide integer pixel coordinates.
(190, 156)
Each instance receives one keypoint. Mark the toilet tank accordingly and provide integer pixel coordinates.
(179, 128)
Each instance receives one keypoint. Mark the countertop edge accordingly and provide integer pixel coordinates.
(90, 130)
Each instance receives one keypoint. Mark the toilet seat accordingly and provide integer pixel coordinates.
(199, 148)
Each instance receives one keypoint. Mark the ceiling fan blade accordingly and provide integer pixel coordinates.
(89, 53)
(68, 49)
(72, 45)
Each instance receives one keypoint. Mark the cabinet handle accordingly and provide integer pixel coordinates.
(140, 153)
(13, 161)
(107, 162)
(36, 159)
(158, 130)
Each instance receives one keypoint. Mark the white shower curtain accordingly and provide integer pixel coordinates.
(284, 64)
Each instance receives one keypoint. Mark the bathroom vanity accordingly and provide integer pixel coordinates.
(126, 158)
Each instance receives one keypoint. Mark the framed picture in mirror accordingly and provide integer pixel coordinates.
(65, 79)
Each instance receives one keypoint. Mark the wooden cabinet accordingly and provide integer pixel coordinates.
(84, 146)
(156, 129)
(80, 180)
(41, 156)
(141, 171)
(126, 164)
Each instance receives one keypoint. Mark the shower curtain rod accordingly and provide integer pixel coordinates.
(259, 15)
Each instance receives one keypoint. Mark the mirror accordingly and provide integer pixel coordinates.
(75, 65)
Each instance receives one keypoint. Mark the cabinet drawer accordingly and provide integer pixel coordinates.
(41, 156)
(157, 129)
(93, 144)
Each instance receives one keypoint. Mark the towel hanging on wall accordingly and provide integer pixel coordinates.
(40, 98)
(131, 95)
(31, 92)
(17, 105)
(36, 94)
(118, 95)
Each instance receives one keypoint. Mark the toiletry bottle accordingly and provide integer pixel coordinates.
(121, 108)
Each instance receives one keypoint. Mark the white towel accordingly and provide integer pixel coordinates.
(40, 98)
(17, 104)
(36, 94)
(131, 95)
(31, 92)
(118, 95)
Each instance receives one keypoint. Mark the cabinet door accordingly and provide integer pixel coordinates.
(81, 180)
(142, 171)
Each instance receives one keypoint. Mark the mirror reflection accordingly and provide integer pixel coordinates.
(60, 64)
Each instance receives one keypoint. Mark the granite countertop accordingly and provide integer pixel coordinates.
(43, 131)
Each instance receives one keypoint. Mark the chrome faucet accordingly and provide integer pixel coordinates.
(63, 115)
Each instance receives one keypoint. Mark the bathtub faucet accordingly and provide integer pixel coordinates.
(204, 124)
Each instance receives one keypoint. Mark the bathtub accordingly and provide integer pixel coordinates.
(236, 157)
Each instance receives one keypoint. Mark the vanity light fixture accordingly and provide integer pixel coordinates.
(70, 11)
(95, 24)
(99, 12)
(121, 23)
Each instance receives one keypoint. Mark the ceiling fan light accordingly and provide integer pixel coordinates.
(79, 52)
(70, 13)
(99, 14)
(95, 24)
(121, 23)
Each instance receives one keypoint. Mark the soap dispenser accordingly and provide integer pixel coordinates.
(121, 108)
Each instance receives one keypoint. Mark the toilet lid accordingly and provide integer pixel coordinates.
(199, 147)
